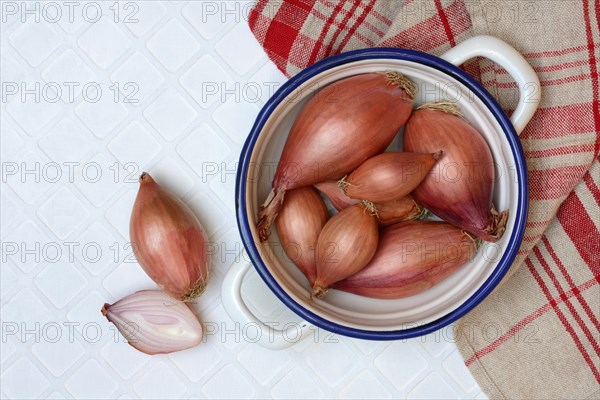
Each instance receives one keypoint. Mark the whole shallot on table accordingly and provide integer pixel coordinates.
(169, 242)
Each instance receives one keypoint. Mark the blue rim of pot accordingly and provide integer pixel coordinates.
(400, 54)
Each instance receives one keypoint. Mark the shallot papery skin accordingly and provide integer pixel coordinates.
(388, 176)
(338, 199)
(169, 241)
(459, 188)
(155, 323)
(411, 258)
(394, 211)
(299, 224)
(390, 212)
(346, 244)
(338, 129)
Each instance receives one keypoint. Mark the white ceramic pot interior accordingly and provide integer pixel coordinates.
(361, 312)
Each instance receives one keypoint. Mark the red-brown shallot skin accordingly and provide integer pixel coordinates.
(411, 258)
(299, 224)
(390, 212)
(337, 198)
(388, 176)
(346, 244)
(402, 209)
(337, 130)
(459, 188)
(169, 242)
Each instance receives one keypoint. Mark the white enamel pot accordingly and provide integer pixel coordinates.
(437, 78)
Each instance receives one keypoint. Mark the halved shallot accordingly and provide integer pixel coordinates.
(299, 224)
(388, 176)
(155, 323)
(459, 189)
(335, 132)
(411, 257)
(346, 244)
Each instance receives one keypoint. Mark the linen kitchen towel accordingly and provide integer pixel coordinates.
(538, 334)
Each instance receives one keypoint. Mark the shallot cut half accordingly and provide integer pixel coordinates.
(154, 323)
(300, 222)
(411, 258)
(338, 129)
(460, 187)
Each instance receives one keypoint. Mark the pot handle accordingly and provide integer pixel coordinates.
(507, 57)
(231, 296)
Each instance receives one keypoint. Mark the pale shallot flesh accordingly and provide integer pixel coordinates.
(155, 323)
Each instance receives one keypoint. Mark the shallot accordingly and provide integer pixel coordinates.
(169, 242)
(299, 224)
(338, 199)
(346, 244)
(388, 176)
(459, 190)
(389, 212)
(402, 209)
(411, 258)
(335, 133)
(155, 323)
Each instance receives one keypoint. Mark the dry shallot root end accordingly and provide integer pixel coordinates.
(444, 106)
(319, 292)
(370, 207)
(497, 224)
(268, 213)
(105, 308)
(145, 177)
(422, 212)
(396, 78)
(342, 184)
(477, 242)
(195, 291)
(436, 156)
